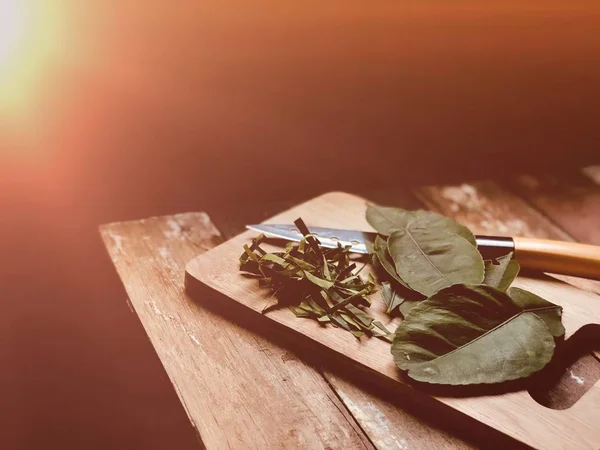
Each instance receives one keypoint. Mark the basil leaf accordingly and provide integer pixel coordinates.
(407, 305)
(431, 220)
(383, 256)
(428, 260)
(469, 334)
(390, 297)
(385, 220)
(545, 310)
(502, 274)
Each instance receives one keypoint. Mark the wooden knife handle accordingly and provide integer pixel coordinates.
(568, 258)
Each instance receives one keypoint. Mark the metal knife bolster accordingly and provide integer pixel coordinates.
(490, 246)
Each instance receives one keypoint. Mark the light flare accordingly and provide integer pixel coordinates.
(11, 28)
(29, 40)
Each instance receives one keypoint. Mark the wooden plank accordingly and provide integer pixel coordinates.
(400, 422)
(388, 421)
(514, 413)
(570, 200)
(487, 208)
(239, 389)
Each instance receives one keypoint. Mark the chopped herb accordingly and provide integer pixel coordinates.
(315, 283)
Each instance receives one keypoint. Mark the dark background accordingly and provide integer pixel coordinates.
(117, 110)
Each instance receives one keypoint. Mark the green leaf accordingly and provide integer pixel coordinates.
(431, 220)
(324, 319)
(381, 326)
(407, 305)
(382, 332)
(315, 306)
(248, 255)
(545, 310)
(299, 312)
(385, 220)
(323, 284)
(351, 321)
(360, 315)
(300, 263)
(347, 301)
(430, 260)
(336, 319)
(383, 256)
(326, 273)
(308, 307)
(390, 297)
(502, 274)
(274, 258)
(469, 334)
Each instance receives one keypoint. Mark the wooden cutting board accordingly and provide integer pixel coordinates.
(513, 413)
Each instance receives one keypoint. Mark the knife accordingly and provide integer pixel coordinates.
(568, 258)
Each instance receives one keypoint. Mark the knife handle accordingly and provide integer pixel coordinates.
(568, 258)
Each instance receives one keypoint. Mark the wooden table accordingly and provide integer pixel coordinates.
(244, 387)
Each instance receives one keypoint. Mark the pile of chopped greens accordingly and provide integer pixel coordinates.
(463, 323)
(317, 283)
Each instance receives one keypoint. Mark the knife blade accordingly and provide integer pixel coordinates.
(489, 246)
(328, 237)
(568, 258)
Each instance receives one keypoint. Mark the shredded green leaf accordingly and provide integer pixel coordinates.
(315, 283)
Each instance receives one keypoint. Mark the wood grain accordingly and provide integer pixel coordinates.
(392, 422)
(570, 199)
(239, 389)
(514, 413)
